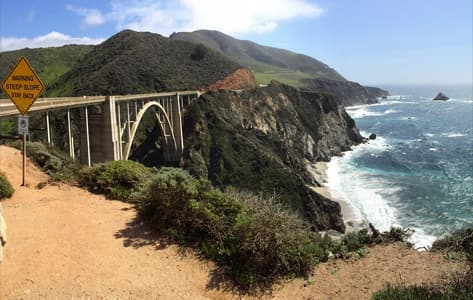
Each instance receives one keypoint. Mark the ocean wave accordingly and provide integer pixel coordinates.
(461, 101)
(453, 134)
(370, 197)
(365, 198)
(362, 112)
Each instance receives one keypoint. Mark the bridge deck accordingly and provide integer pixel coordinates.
(7, 108)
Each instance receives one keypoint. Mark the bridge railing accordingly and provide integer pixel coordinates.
(7, 108)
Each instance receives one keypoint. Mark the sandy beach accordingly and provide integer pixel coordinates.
(350, 216)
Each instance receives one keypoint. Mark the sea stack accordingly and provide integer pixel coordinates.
(441, 96)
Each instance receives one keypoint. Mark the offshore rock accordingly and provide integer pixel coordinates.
(372, 136)
(441, 96)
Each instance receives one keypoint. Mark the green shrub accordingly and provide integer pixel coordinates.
(412, 292)
(115, 179)
(458, 241)
(253, 239)
(273, 242)
(459, 288)
(6, 189)
(355, 242)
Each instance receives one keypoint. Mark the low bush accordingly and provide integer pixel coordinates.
(54, 162)
(6, 189)
(355, 242)
(458, 241)
(253, 239)
(115, 179)
(459, 287)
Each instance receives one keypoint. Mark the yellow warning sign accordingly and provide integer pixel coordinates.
(22, 85)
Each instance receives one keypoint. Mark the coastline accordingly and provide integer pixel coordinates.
(351, 219)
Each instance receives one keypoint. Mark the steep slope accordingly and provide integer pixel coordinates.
(138, 62)
(291, 68)
(266, 62)
(349, 92)
(262, 139)
(48, 63)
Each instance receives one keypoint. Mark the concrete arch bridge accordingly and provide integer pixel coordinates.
(108, 124)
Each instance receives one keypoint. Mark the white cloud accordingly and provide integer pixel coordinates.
(232, 17)
(92, 17)
(52, 39)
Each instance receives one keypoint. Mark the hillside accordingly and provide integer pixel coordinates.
(261, 140)
(266, 62)
(139, 62)
(349, 92)
(48, 63)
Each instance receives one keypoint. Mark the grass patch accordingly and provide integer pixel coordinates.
(6, 189)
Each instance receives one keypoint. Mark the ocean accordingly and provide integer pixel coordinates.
(418, 172)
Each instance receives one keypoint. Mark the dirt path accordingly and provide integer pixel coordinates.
(65, 243)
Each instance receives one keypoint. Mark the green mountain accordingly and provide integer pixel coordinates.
(138, 62)
(267, 63)
(48, 63)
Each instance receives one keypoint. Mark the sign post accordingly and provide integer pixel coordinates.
(23, 86)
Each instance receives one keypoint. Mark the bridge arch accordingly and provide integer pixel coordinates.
(164, 123)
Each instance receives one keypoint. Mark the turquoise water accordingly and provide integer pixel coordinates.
(418, 173)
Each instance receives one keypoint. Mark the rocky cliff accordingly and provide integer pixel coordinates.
(240, 79)
(260, 140)
(349, 92)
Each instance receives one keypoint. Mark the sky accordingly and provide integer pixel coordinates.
(375, 42)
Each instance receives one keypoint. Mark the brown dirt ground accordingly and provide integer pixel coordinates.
(65, 243)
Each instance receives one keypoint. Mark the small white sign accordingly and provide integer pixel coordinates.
(23, 125)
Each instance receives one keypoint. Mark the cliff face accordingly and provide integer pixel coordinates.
(261, 139)
(349, 92)
(240, 79)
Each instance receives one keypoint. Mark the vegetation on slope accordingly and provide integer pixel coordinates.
(267, 63)
(260, 140)
(52, 161)
(252, 238)
(139, 62)
(48, 63)
(115, 179)
(459, 287)
(6, 189)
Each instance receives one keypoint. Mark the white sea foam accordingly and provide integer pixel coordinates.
(366, 196)
(408, 118)
(421, 240)
(453, 134)
(461, 101)
(362, 111)
(348, 184)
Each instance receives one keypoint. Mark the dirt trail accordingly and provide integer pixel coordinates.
(65, 243)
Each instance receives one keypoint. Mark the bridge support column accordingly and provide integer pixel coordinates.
(69, 135)
(85, 145)
(110, 131)
(175, 115)
(48, 128)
